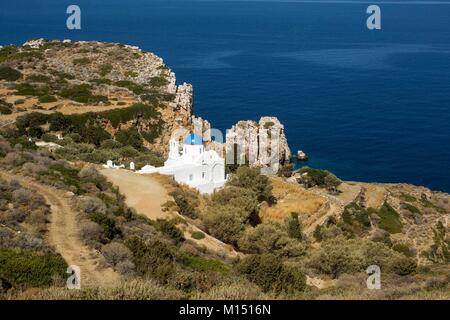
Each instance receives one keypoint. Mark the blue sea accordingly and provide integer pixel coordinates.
(366, 105)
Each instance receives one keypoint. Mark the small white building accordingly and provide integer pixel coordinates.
(192, 165)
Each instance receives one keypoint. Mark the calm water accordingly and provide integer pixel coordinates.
(366, 105)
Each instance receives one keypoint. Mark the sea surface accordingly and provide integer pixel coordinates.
(366, 105)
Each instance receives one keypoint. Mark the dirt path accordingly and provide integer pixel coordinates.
(146, 195)
(63, 234)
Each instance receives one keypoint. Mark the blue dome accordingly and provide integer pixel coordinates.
(193, 139)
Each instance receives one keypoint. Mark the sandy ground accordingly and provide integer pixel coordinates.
(143, 193)
(146, 194)
(63, 234)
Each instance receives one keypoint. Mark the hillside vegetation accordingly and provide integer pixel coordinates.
(300, 235)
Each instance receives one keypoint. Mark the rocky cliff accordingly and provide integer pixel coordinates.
(80, 77)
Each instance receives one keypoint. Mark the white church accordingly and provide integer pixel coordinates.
(200, 169)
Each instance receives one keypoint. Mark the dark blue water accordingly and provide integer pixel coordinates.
(366, 105)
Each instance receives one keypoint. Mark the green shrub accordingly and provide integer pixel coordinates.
(407, 197)
(245, 199)
(19, 101)
(404, 266)
(403, 249)
(105, 69)
(9, 74)
(110, 230)
(130, 137)
(134, 87)
(169, 228)
(47, 99)
(158, 81)
(110, 144)
(154, 259)
(29, 268)
(48, 137)
(294, 227)
(410, 208)
(81, 61)
(128, 152)
(337, 256)
(225, 222)
(187, 202)
(355, 220)
(117, 116)
(268, 272)
(310, 177)
(7, 52)
(251, 178)
(5, 109)
(202, 264)
(198, 235)
(82, 93)
(390, 219)
(38, 78)
(26, 89)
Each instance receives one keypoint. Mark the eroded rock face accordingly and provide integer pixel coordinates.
(260, 143)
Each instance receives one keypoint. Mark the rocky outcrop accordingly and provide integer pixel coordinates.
(124, 75)
(262, 143)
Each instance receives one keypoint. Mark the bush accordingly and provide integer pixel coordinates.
(48, 137)
(264, 238)
(268, 272)
(169, 228)
(202, 264)
(294, 228)
(110, 230)
(158, 81)
(9, 74)
(22, 196)
(99, 156)
(88, 173)
(251, 178)
(91, 205)
(154, 259)
(187, 202)
(390, 219)
(337, 256)
(404, 266)
(30, 269)
(310, 177)
(5, 107)
(47, 99)
(116, 252)
(225, 223)
(81, 61)
(235, 289)
(110, 144)
(91, 231)
(128, 152)
(81, 93)
(198, 235)
(130, 137)
(238, 197)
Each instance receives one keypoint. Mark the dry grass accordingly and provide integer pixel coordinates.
(125, 290)
(291, 198)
